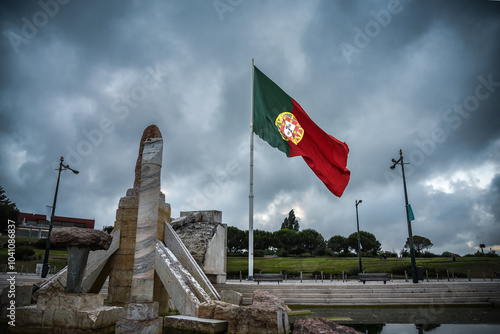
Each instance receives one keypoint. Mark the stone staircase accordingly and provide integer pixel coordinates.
(392, 293)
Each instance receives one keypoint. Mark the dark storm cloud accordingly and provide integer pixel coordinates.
(84, 79)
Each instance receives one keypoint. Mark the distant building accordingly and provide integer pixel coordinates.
(37, 226)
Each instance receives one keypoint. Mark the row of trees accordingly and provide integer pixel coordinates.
(289, 240)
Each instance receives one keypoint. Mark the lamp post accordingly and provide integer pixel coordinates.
(359, 237)
(410, 236)
(45, 268)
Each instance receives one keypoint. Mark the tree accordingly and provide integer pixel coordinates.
(291, 222)
(286, 239)
(108, 229)
(338, 244)
(8, 211)
(482, 246)
(237, 240)
(369, 244)
(311, 241)
(419, 243)
(263, 240)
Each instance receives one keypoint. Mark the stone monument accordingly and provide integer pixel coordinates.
(121, 265)
(151, 270)
(141, 313)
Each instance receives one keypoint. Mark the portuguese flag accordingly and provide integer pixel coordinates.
(281, 121)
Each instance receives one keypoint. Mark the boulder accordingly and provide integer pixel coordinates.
(321, 325)
(80, 237)
(266, 315)
(218, 310)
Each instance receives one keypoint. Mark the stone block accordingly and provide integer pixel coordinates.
(195, 324)
(232, 297)
(267, 315)
(120, 277)
(109, 315)
(66, 318)
(127, 326)
(124, 222)
(128, 202)
(142, 290)
(256, 319)
(24, 292)
(48, 317)
(127, 246)
(29, 316)
(85, 301)
(118, 295)
(141, 311)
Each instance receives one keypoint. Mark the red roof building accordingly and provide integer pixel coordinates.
(36, 225)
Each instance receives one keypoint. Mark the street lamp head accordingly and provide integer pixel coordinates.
(71, 169)
(393, 166)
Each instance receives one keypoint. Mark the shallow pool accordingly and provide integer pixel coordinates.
(434, 319)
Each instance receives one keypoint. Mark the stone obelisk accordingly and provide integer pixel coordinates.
(147, 217)
(141, 313)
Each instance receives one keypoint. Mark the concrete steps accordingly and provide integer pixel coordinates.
(376, 293)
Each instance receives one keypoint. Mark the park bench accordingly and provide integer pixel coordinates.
(363, 277)
(268, 278)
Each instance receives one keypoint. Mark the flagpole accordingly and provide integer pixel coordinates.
(250, 196)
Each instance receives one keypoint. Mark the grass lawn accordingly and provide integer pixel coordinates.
(57, 258)
(478, 266)
(396, 266)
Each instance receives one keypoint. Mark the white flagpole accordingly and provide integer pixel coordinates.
(250, 196)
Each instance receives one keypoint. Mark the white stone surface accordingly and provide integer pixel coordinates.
(215, 257)
(147, 218)
(184, 290)
(177, 247)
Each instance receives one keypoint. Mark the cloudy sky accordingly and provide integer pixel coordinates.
(83, 79)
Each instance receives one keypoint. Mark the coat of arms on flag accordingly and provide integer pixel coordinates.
(289, 127)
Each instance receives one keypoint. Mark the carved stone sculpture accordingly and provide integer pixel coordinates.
(79, 241)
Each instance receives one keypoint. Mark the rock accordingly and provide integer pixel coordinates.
(267, 315)
(195, 235)
(223, 310)
(266, 298)
(321, 325)
(80, 237)
(216, 310)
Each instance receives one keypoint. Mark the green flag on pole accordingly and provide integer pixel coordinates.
(410, 213)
